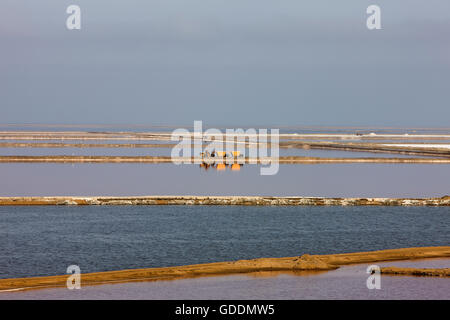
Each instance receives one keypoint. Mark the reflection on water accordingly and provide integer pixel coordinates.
(221, 166)
(348, 282)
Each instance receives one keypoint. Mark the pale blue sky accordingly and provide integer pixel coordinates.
(226, 62)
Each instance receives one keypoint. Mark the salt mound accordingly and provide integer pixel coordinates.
(308, 262)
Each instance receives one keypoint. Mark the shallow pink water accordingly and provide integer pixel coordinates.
(347, 282)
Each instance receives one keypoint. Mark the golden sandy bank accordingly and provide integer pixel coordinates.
(304, 262)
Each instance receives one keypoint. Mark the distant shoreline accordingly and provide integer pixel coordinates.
(421, 145)
(300, 263)
(223, 201)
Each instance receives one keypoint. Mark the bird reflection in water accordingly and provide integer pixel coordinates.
(221, 166)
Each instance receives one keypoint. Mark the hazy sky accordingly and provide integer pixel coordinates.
(243, 62)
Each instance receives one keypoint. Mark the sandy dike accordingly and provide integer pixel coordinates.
(421, 272)
(305, 262)
(223, 200)
(165, 159)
